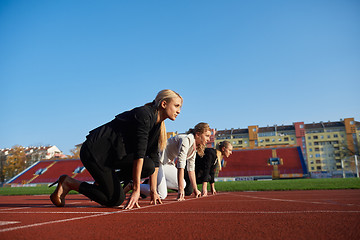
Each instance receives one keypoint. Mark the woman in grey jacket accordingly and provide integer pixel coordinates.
(179, 154)
(129, 143)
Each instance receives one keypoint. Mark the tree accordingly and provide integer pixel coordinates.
(347, 154)
(75, 153)
(15, 162)
(346, 151)
(2, 165)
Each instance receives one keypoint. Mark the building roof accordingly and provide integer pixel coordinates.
(324, 125)
(286, 128)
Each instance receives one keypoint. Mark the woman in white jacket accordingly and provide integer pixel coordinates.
(180, 152)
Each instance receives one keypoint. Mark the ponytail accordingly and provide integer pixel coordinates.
(163, 137)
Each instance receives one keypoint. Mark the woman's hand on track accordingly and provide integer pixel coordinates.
(197, 193)
(204, 193)
(181, 195)
(155, 198)
(133, 201)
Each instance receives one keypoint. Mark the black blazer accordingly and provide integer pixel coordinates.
(132, 133)
(205, 166)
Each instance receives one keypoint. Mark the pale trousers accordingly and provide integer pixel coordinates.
(167, 179)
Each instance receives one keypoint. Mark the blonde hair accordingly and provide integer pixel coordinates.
(222, 144)
(219, 151)
(200, 128)
(164, 95)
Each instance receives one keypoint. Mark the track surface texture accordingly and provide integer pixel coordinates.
(324, 214)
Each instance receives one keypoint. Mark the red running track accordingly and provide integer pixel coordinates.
(326, 214)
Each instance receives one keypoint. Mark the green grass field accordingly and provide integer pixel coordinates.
(289, 184)
(274, 185)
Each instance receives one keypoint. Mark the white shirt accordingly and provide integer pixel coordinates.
(180, 150)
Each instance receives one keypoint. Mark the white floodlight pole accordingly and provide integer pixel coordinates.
(357, 166)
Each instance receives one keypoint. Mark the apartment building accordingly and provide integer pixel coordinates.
(320, 143)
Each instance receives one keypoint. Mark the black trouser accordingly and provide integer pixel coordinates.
(108, 191)
(188, 189)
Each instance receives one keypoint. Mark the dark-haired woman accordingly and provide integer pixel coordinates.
(205, 166)
(129, 143)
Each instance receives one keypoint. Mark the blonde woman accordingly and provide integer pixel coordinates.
(129, 143)
(205, 166)
(180, 152)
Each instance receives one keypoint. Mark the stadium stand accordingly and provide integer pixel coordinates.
(254, 163)
(242, 163)
(48, 171)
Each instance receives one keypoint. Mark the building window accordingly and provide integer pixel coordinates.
(335, 136)
(286, 139)
(315, 137)
(310, 149)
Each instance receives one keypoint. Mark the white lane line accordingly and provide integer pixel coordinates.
(90, 216)
(47, 205)
(2, 223)
(250, 212)
(11, 209)
(200, 212)
(51, 222)
(55, 212)
(284, 200)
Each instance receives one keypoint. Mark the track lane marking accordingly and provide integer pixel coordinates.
(253, 212)
(10, 209)
(289, 200)
(90, 216)
(2, 223)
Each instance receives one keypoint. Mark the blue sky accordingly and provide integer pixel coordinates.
(67, 67)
